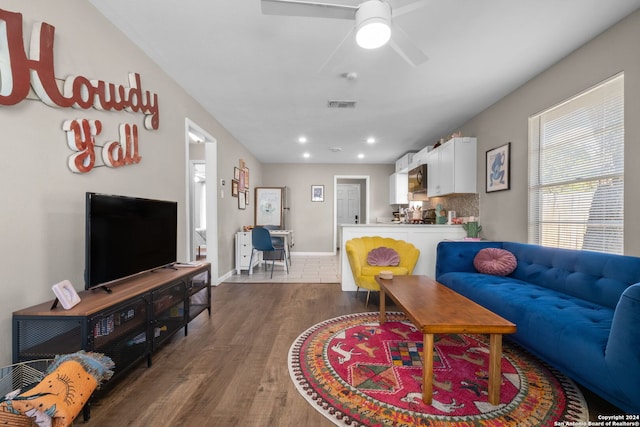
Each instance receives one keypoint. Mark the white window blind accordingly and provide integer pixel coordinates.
(576, 171)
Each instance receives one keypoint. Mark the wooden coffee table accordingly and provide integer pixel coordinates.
(435, 309)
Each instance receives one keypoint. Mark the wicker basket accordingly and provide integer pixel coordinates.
(17, 376)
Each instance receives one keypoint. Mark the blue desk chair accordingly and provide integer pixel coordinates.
(261, 241)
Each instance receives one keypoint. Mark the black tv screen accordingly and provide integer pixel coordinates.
(126, 236)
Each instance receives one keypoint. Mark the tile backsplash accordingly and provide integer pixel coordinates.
(464, 204)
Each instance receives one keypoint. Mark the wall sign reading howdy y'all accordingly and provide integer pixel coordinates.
(20, 71)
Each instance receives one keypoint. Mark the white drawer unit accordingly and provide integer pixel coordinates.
(243, 252)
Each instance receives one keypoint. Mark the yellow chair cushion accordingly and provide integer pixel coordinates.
(364, 274)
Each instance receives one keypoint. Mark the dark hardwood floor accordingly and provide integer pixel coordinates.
(231, 368)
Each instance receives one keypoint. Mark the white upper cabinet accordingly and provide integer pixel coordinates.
(452, 167)
(402, 164)
(399, 189)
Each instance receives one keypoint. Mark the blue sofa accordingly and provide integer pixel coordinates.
(579, 311)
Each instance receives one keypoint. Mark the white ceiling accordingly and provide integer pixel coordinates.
(260, 75)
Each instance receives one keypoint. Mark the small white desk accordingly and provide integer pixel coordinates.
(287, 238)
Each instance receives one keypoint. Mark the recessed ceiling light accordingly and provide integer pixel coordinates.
(371, 140)
(306, 155)
(302, 139)
(361, 156)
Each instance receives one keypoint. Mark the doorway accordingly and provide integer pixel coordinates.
(198, 218)
(202, 198)
(351, 203)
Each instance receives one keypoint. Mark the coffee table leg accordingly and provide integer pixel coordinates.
(383, 314)
(495, 376)
(427, 369)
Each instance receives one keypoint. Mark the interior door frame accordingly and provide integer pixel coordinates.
(211, 167)
(366, 179)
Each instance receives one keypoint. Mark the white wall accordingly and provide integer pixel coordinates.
(504, 213)
(42, 214)
(312, 222)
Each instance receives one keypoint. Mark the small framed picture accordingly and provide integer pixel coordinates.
(234, 188)
(236, 173)
(246, 178)
(246, 197)
(317, 193)
(242, 202)
(241, 185)
(498, 168)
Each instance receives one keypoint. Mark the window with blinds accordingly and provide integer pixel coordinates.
(576, 171)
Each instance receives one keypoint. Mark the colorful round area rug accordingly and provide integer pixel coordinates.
(357, 372)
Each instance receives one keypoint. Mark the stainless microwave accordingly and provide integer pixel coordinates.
(418, 179)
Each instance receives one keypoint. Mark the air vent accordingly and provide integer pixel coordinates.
(341, 104)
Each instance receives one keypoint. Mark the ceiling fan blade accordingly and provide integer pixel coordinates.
(405, 47)
(338, 53)
(308, 8)
(400, 7)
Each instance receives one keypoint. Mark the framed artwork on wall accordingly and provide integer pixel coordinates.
(498, 168)
(267, 204)
(234, 188)
(242, 202)
(317, 193)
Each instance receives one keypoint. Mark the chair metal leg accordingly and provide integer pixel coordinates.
(273, 263)
(250, 261)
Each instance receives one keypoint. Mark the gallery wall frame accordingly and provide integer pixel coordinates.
(317, 193)
(498, 168)
(268, 207)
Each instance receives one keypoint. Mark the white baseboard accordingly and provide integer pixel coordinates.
(313, 254)
(223, 278)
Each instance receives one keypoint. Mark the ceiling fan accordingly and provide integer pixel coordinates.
(373, 22)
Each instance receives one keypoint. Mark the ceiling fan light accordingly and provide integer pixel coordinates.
(373, 35)
(373, 20)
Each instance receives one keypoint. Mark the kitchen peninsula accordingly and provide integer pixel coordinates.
(422, 236)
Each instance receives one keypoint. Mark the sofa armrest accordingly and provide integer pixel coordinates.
(455, 256)
(622, 355)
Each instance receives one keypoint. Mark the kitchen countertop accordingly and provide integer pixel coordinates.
(395, 224)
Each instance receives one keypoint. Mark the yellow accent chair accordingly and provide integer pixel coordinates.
(364, 274)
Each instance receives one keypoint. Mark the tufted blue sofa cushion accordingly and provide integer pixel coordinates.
(577, 310)
(592, 276)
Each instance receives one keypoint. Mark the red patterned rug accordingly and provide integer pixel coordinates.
(359, 373)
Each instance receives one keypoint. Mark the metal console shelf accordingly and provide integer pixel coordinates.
(128, 324)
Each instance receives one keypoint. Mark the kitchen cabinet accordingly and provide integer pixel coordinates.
(398, 189)
(452, 167)
(402, 164)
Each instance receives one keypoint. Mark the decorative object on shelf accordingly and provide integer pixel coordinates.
(234, 188)
(472, 228)
(242, 201)
(441, 214)
(317, 193)
(498, 168)
(65, 294)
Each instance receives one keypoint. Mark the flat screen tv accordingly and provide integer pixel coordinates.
(126, 236)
